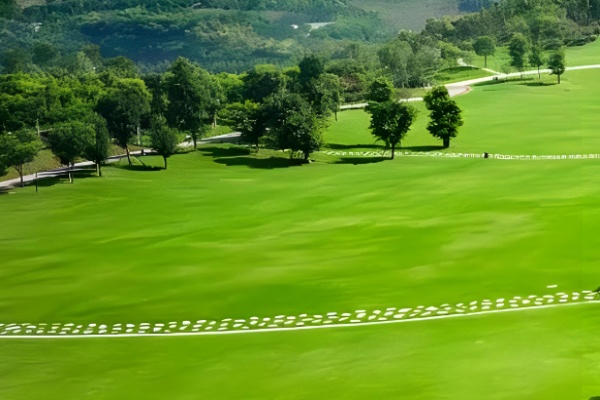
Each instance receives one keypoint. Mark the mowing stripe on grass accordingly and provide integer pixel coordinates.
(282, 323)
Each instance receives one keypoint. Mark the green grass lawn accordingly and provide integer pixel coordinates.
(580, 55)
(225, 234)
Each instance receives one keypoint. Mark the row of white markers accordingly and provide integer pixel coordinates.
(292, 321)
(461, 155)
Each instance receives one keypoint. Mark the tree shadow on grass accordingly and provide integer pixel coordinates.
(538, 83)
(422, 148)
(260, 163)
(491, 83)
(361, 160)
(142, 168)
(220, 152)
(336, 146)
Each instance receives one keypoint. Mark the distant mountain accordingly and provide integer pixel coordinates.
(223, 35)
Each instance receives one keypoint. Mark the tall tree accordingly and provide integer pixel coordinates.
(262, 81)
(517, 49)
(311, 69)
(18, 149)
(380, 90)
(163, 139)
(248, 118)
(325, 94)
(123, 106)
(445, 116)
(294, 124)
(537, 57)
(98, 149)
(557, 64)
(69, 141)
(484, 46)
(391, 121)
(191, 94)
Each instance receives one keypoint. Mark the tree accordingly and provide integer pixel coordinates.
(485, 46)
(293, 123)
(556, 63)
(8, 8)
(248, 118)
(445, 116)
(517, 48)
(537, 58)
(163, 139)
(98, 149)
(123, 107)
(69, 141)
(262, 81)
(191, 94)
(391, 121)
(18, 149)
(380, 90)
(325, 94)
(311, 68)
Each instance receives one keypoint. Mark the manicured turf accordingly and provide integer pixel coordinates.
(224, 234)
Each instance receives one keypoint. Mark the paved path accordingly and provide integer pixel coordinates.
(458, 88)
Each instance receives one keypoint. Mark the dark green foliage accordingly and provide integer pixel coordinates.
(123, 106)
(517, 49)
(485, 46)
(380, 90)
(8, 8)
(557, 64)
(69, 141)
(391, 121)
(537, 57)
(249, 118)
(293, 123)
(262, 81)
(445, 116)
(98, 149)
(410, 60)
(163, 139)
(192, 98)
(18, 149)
(311, 68)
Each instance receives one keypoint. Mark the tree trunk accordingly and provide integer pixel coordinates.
(446, 142)
(559, 79)
(98, 169)
(195, 139)
(306, 154)
(393, 151)
(539, 73)
(128, 155)
(20, 171)
(165, 158)
(485, 61)
(336, 117)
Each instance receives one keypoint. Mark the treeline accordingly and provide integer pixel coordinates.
(77, 114)
(551, 23)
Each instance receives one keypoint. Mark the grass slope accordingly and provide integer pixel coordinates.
(224, 234)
